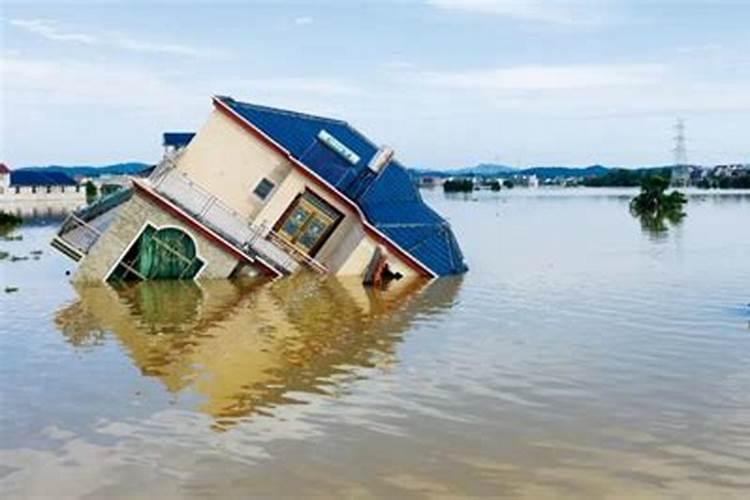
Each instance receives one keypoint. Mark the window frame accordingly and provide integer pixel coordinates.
(268, 182)
(310, 198)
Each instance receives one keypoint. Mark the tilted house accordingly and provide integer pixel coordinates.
(264, 190)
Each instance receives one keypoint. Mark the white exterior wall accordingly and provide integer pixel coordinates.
(29, 201)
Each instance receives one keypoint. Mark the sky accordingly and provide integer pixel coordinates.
(446, 83)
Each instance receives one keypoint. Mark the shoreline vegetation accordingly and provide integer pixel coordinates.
(467, 180)
(8, 222)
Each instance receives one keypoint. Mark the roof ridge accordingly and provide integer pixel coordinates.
(283, 111)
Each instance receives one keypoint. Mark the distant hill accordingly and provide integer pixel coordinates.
(481, 170)
(486, 170)
(129, 168)
(553, 172)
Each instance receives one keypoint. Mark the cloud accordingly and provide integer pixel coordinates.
(51, 30)
(132, 44)
(75, 82)
(397, 64)
(303, 20)
(55, 31)
(544, 77)
(296, 85)
(547, 11)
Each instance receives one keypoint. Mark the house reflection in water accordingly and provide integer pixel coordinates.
(244, 347)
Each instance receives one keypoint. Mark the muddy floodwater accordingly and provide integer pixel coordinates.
(582, 356)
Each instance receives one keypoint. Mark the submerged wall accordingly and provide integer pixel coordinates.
(133, 215)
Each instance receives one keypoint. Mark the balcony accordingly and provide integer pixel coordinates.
(258, 242)
(82, 228)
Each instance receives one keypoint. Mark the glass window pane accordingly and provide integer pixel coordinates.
(263, 189)
(312, 232)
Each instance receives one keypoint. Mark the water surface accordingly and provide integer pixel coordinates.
(580, 357)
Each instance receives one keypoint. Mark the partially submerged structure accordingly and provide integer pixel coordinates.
(260, 190)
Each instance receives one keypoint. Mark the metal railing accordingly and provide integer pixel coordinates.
(298, 254)
(211, 211)
(81, 229)
(78, 234)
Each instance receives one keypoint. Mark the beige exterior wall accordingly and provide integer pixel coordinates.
(230, 162)
(129, 222)
(357, 260)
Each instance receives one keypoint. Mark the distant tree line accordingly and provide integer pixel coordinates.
(464, 185)
(458, 186)
(620, 177)
(726, 182)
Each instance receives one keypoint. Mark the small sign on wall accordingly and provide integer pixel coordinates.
(338, 147)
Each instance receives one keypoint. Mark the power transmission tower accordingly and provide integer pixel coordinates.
(680, 149)
(680, 170)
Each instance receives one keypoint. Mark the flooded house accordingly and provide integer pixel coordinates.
(264, 191)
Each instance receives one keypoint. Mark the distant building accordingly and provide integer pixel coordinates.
(38, 193)
(730, 170)
(175, 142)
(428, 181)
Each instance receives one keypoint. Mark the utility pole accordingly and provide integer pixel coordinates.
(680, 169)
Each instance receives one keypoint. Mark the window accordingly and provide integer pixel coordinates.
(49, 189)
(78, 188)
(62, 189)
(33, 189)
(307, 223)
(18, 189)
(263, 189)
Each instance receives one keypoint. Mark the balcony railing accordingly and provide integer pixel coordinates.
(82, 228)
(78, 235)
(212, 212)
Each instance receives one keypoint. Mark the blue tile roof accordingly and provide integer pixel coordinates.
(32, 178)
(389, 199)
(178, 139)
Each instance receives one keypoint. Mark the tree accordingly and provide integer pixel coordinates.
(91, 192)
(458, 186)
(653, 206)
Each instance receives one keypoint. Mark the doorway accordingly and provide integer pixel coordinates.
(307, 223)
